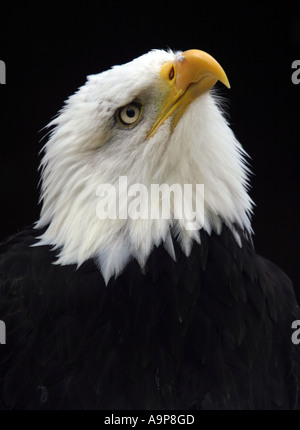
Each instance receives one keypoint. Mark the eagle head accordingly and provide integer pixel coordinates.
(151, 121)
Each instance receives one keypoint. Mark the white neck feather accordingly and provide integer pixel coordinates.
(201, 150)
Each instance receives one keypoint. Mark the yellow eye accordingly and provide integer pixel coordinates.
(129, 114)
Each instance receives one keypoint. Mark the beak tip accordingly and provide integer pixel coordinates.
(225, 80)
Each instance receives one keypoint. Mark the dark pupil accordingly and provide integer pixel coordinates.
(130, 112)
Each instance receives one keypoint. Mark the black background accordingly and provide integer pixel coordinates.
(49, 48)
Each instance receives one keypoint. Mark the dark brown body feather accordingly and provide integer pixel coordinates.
(211, 331)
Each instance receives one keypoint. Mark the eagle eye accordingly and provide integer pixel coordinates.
(130, 114)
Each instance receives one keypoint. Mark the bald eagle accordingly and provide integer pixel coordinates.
(145, 312)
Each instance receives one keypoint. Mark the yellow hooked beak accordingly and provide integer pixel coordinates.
(183, 80)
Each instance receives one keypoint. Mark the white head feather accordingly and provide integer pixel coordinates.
(88, 147)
